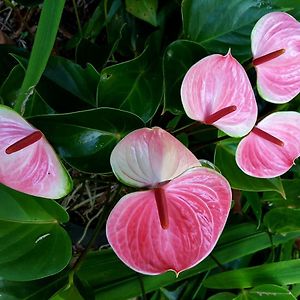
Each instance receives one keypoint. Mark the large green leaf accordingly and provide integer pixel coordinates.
(85, 139)
(117, 282)
(144, 10)
(219, 25)
(134, 86)
(42, 47)
(222, 296)
(292, 193)
(32, 243)
(9, 91)
(78, 81)
(225, 161)
(266, 292)
(281, 273)
(178, 58)
(283, 220)
(31, 290)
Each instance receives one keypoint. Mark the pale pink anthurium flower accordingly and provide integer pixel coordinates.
(27, 162)
(271, 147)
(176, 222)
(275, 42)
(216, 91)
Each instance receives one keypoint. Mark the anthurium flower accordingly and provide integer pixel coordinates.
(176, 222)
(27, 161)
(275, 42)
(216, 91)
(271, 147)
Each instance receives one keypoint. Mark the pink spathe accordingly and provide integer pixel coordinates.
(147, 157)
(197, 201)
(277, 79)
(261, 158)
(217, 82)
(35, 169)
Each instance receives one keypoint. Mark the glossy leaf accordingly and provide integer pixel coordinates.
(179, 56)
(115, 282)
(35, 105)
(90, 141)
(33, 245)
(43, 44)
(147, 157)
(222, 296)
(225, 161)
(282, 220)
(34, 168)
(267, 292)
(67, 292)
(12, 84)
(259, 157)
(80, 82)
(278, 78)
(31, 290)
(291, 188)
(199, 198)
(233, 28)
(136, 85)
(144, 10)
(217, 83)
(281, 273)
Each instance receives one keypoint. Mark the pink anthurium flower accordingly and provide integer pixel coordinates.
(271, 147)
(275, 42)
(176, 222)
(27, 161)
(216, 91)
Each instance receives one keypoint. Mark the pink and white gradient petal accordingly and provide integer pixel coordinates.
(261, 158)
(216, 82)
(278, 79)
(146, 157)
(198, 205)
(34, 170)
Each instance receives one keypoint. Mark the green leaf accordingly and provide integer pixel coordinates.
(225, 161)
(7, 61)
(281, 273)
(10, 87)
(291, 188)
(32, 243)
(178, 58)
(134, 86)
(80, 82)
(85, 139)
(117, 282)
(219, 25)
(31, 290)
(270, 292)
(222, 296)
(142, 9)
(283, 220)
(9, 91)
(68, 292)
(42, 47)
